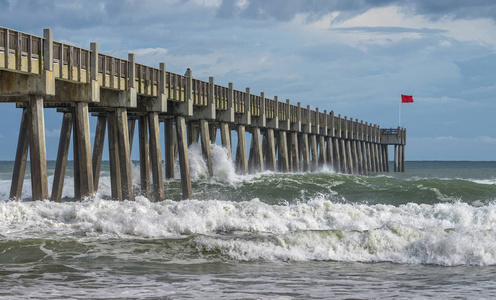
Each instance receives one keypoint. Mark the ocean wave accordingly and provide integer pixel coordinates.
(443, 234)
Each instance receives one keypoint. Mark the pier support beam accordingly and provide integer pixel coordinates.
(37, 148)
(378, 157)
(256, 150)
(213, 132)
(63, 152)
(365, 158)
(101, 126)
(205, 142)
(75, 153)
(193, 133)
(355, 154)
(386, 155)
(271, 151)
(131, 125)
(337, 155)
(241, 155)
(322, 151)
(361, 169)
(330, 153)
(170, 153)
(283, 152)
(124, 153)
(225, 133)
(156, 157)
(369, 157)
(144, 150)
(84, 149)
(21, 156)
(350, 157)
(305, 152)
(295, 153)
(344, 157)
(115, 171)
(372, 157)
(315, 154)
(182, 143)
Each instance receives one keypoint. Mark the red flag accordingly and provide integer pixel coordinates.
(406, 99)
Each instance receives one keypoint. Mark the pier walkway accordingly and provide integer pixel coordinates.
(38, 73)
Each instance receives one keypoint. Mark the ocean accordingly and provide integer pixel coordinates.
(427, 233)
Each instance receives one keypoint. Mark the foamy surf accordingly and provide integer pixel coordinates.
(443, 234)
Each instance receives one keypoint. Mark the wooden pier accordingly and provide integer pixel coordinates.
(38, 73)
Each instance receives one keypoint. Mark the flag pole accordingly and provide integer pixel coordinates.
(399, 114)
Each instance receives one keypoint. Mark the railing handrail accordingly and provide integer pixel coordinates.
(176, 84)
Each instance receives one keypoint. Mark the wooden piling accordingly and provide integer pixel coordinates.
(251, 157)
(62, 153)
(369, 157)
(213, 133)
(271, 152)
(344, 157)
(378, 157)
(170, 154)
(241, 155)
(193, 133)
(205, 142)
(75, 153)
(226, 138)
(354, 152)
(386, 153)
(37, 149)
(124, 153)
(315, 154)
(257, 150)
(156, 157)
(101, 126)
(349, 150)
(115, 171)
(182, 143)
(361, 169)
(144, 147)
(21, 156)
(283, 152)
(296, 165)
(131, 125)
(329, 152)
(84, 149)
(304, 152)
(338, 167)
(322, 151)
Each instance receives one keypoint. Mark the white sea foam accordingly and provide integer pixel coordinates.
(484, 181)
(444, 234)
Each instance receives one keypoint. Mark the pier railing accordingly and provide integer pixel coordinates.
(73, 64)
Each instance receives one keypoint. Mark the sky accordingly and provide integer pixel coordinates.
(355, 57)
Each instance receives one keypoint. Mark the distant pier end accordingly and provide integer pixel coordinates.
(38, 73)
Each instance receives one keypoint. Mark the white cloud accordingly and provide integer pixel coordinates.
(354, 31)
(476, 30)
(444, 100)
(52, 133)
(149, 51)
(242, 4)
(208, 3)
